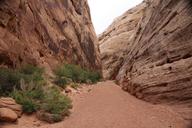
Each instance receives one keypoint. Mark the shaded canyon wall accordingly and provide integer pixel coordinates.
(47, 33)
(114, 41)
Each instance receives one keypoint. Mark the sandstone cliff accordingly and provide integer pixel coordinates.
(46, 33)
(116, 38)
(158, 60)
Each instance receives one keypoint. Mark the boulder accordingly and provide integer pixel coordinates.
(7, 115)
(11, 104)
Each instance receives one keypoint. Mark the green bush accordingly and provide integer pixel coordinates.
(62, 82)
(32, 73)
(10, 79)
(50, 118)
(57, 117)
(22, 98)
(94, 76)
(69, 71)
(56, 103)
(77, 74)
(26, 86)
(30, 70)
(29, 96)
(74, 85)
(50, 100)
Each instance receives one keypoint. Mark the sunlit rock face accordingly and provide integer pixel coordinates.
(116, 38)
(47, 33)
(157, 64)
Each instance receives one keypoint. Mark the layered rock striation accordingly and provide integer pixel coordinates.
(114, 41)
(47, 33)
(10, 111)
(157, 64)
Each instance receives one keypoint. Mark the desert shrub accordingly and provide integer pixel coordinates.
(50, 118)
(77, 74)
(54, 106)
(69, 71)
(22, 98)
(26, 86)
(56, 103)
(10, 79)
(33, 98)
(32, 73)
(94, 76)
(30, 70)
(74, 85)
(62, 81)
(57, 117)
(28, 96)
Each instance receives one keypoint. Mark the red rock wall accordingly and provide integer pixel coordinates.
(114, 41)
(158, 64)
(47, 33)
(154, 40)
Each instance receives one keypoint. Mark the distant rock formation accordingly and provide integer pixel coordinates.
(157, 64)
(115, 40)
(47, 33)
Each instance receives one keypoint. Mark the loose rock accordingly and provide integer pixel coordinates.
(7, 115)
(11, 104)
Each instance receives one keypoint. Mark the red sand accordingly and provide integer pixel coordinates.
(107, 106)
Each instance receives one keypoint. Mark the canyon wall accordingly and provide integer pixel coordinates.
(47, 33)
(116, 38)
(157, 65)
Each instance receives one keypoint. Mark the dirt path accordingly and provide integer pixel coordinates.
(107, 106)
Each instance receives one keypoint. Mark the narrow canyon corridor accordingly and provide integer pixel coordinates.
(52, 51)
(105, 105)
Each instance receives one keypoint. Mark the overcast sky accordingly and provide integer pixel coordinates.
(103, 12)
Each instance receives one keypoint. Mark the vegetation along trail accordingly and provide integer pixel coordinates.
(105, 105)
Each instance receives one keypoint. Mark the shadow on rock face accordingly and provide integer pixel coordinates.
(189, 125)
(190, 3)
(190, 7)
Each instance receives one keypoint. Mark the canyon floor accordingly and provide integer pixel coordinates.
(105, 105)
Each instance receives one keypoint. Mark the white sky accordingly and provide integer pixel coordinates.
(103, 12)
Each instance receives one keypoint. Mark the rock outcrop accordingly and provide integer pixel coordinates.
(47, 33)
(7, 115)
(10, 111)
(158, 60)
(11, 104)
(116, 38)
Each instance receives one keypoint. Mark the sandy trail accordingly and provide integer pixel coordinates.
(107, 106)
